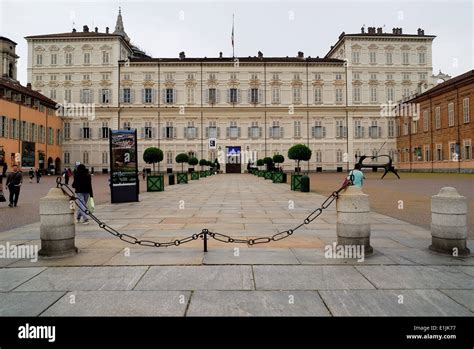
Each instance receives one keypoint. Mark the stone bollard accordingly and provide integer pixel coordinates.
(449, 222)
(353, 219)
(57, 229)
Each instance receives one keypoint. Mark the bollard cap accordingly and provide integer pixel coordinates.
(448, 201)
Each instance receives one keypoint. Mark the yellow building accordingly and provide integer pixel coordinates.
(30, 130)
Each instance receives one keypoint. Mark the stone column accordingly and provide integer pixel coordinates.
(57, 229)
(353, 219)
(449, 222)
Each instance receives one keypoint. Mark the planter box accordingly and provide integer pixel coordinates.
(208, 172)
(261, 173)
(202, 174)
(278, 177)
(194, 176)
(296, 181)
(182, 178)
(268, 175)
(155, 183)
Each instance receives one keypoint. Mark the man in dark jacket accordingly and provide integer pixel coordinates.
(83, 185)
(14, 181)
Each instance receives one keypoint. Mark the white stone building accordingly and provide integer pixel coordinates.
(263, 105)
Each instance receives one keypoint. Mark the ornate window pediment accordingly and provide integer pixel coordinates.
(405, 47)
(389, 48)
(39, 49)
(68, 48)
(87, 47)
(106, 48)
(421, 48)
(54, 48)
(373, 47)
(356, 47)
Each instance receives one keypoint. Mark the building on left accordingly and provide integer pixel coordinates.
(30, 129)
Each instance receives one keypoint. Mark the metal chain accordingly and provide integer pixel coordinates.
(68, 191)
(216, 236)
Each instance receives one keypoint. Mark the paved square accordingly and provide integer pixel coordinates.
(291, 277)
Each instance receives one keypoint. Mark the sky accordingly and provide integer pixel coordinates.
(277, 28)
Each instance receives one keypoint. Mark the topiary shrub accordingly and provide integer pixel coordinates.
(152, 156)
(299, 152)
(182, 158)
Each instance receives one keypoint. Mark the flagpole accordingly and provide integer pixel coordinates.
(233, 46)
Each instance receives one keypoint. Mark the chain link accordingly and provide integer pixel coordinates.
(203, 235)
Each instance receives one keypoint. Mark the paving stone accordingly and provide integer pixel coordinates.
(249, 256)
(463, 297)
(84, 279)
(84, 257)
(197, 278)
(256, 303)
(317, 256)
(386, 303)
(305, 277)
(121, 303)
(412, 277)
(157, 256)
(26, 303)
(11, 278)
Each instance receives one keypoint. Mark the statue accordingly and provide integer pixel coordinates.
(388, 166)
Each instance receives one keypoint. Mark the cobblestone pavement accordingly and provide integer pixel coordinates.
(289, 277)
(414, 189)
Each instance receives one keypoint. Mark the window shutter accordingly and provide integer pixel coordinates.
(99, 133)
(206, 95)
(270, 132)
(81, 96)
(313, 131)
(207, 132)
(362, 129)
(163, 96)
(260, 96)
(218, 132)
(142, 132)
(227, 132)
(239, 96)
(121, 95)
(153, 95)
(185, 134)
(345, 131)
(218, 96)
(281, 131)
(132, 96)
(324, 132)
(175, 132)
(143, 95)
(238, 132)
(380, 131)
(175, 96)
(260, 131)
(197, 133)
(228, 95)
(249, 133)
(164, 132)
(153, 132)
(249, 96)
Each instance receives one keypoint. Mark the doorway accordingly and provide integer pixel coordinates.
(233, 164)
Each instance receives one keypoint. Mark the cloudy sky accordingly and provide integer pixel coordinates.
(277, 28)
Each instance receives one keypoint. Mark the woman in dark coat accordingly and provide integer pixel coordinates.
(83, 186)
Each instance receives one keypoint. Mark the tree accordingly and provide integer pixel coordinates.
(193, 161)
(181, 159)
(299, 152)
(152, 156)
(202, 163)
(269, 162)
(278, 159)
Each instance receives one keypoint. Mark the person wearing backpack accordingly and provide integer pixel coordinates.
(356, 176)
(83, 185)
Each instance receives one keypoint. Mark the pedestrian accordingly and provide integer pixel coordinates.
(38, 175)
(31, 173)
(144, 173)
(83, 185)
(66, 176)
(14, 181)
(356, 176)
(3, 168)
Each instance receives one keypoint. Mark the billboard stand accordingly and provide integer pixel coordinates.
(123, 166)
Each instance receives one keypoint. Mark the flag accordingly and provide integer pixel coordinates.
(232, 39)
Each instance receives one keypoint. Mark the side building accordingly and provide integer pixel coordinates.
(30, 130)
(440, 138)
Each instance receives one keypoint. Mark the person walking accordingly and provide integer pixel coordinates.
(66, 175)
(83, 185)
(31, 173)
(356, 176)
(14, 181)
(38, 175)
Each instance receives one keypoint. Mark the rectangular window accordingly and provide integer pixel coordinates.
(426, 121)
(67, 130)
(405, 57)
(388, 58)
(126, 95)
(421, 57)
(50, 136)
(58, 137)
(254, 95)
(39, 59)
(87, 58)
(169, 131)
(54, 59)
(3, 127)
(67, 96)
(467, 149)
(374, 130)
(355, 57)
(318, 95)
(190, 95)
(296, 94)
(233, 95)
(169, 96)
(338, 77)
(276, 95)
(297, 129)
(451, 114)
(373, 94)
(147, 95)
(319, 131)
(105, 57)
(105, 158)
(67, 158)
(127, 125)
(391, 128)
(105, 96)
(356, 92)
(212, 96)
(372, 57)
(338, 95)
(341, 129)
(86, 96)
(148, 130)
(390, 94)
(438, 118)
(105, 130)
(169, 157)
(52, 94)
(86, 131)
(465, 110)
(68, 58)
(439, 152)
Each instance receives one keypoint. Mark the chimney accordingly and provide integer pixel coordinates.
(362, 30)
(107, 30)
(73, 30)
(85, 29)
(421, 31)
(371, 30)
(260, 54)
(379, 30)
(300, 54)
(28, 85)
(342, 35)
(182, 55)
(96, 29)
(220, 54)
